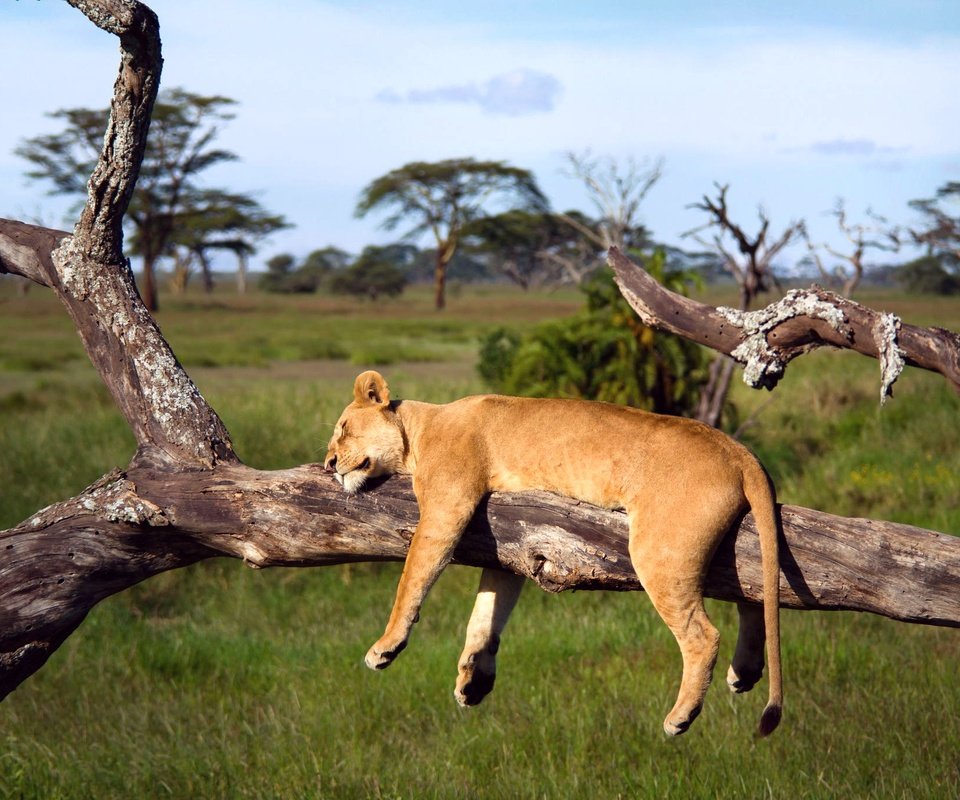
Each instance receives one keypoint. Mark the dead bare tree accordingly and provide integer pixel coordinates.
(863, 237)
(616, 193)
(751, 267)
(185, 496)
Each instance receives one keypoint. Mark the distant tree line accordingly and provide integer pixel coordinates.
(379, 271)
(485, 220)
(522, 240)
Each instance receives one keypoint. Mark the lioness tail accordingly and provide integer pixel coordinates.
(759, 492)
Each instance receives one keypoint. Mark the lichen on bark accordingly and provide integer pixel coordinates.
(762, 362)
(891, 356)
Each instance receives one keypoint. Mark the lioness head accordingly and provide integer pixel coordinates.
(367, 440)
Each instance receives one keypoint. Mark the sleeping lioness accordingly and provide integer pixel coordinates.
(682, 484)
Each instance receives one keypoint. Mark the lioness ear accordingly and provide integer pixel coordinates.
(370, 389)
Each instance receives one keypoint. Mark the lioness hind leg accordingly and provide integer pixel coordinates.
(747, 665)
(674, 585)
(477, 668)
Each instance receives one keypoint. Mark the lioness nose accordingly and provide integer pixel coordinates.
(330, 464)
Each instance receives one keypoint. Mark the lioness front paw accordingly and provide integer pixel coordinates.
(676, 724)
(381, 656)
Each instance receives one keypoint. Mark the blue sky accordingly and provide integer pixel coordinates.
(792, 104)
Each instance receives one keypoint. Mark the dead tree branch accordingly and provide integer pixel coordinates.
(27, 250)
(89, 272)
(131, 525)
(751, 267)
(765, 341)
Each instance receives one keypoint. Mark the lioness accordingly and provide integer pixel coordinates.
(682, 484)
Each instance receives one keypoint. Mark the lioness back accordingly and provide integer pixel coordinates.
(596, 452)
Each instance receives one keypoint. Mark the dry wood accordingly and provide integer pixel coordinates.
(66, 558)
(765, 341)
(26, 250)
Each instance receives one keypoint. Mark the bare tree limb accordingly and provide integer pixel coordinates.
(753, 271)
(134, 524)
(99, 233)
(170, 419)
(765, 341)
(26, 250)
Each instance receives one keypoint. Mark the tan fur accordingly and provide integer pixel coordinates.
(682, 484)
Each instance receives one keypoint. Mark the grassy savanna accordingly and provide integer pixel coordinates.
(219, 681)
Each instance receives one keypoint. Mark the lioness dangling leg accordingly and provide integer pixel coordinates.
(477, 668)
(674, 582)
(440, 527)
(747, 665)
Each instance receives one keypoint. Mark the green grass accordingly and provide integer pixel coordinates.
(219, 681)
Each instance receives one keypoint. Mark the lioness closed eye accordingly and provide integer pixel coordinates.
(682, 484)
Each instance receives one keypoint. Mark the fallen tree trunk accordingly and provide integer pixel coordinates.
(66, 558)
(186, 497)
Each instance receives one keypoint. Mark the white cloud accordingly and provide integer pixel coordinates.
(854, 147)
(522, 91)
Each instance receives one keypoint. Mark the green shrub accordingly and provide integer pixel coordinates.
(372, 275)
(604, 352)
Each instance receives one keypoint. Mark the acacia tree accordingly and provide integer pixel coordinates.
(442, 197)
(941, 231)
(219, 221)
(518, 241)
(186, 496)
(168, 209)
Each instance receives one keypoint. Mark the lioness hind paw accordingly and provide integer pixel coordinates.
(744, 679)
(474, 690)
(769, 720)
